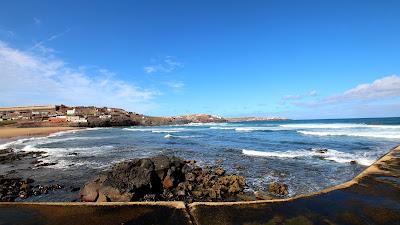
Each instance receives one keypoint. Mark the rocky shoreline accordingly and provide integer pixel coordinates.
(159, 178)
(162, 178)
(15, 188)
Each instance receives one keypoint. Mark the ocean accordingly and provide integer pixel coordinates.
(263, 152)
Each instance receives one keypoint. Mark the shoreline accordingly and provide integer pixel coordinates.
(14, 132)
(340, 204)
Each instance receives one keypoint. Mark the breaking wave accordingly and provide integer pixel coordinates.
(375, 134)
(331, 154)
(158, 130)
(337, 126)
(248, 129)
(180, 136)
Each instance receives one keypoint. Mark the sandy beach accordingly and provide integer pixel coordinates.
(10, 132)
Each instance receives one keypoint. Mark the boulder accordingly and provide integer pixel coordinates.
(278, 189)
(90, 191)
(161, 165)
(162, 178)
(110, 194)
(135, 175)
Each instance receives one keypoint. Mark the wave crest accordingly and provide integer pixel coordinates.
(331, 154)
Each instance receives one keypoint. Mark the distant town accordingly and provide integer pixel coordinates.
(91, 116)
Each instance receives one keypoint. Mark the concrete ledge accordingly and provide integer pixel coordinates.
(93, 213)
(372, 197)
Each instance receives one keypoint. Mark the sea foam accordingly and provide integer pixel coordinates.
(337, 126)
(353, 133)
(331, 154)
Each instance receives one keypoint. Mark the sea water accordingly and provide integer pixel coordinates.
(263, 152)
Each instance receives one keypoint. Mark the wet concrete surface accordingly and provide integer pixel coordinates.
(373, 197)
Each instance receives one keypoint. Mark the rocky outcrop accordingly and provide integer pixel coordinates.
(8, 155)
(12, 188)
(162, 178)
(279, 189)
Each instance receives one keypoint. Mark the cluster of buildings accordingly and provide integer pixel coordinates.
(56, 113)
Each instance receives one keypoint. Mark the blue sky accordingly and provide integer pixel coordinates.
(296, 59)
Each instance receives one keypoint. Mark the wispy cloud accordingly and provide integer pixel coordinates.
(176, 86)
(301, 96)
(55, 36)
(166, 65)
(7, 33)
(36, 21)
(29, 78)
(40, 45)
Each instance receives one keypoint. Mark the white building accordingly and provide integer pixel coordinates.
(71, 112)
(76, 119)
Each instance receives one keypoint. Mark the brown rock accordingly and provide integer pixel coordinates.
(168, 182)
(197, 193)
(113, 195)
(234, 188)
(262, 196)
(219, 171)
(90, 192)
(212, 193)
(278, 189)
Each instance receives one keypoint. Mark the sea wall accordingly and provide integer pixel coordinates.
(373, 197)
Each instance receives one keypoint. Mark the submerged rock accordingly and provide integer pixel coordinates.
(162, 178)
(321, 150)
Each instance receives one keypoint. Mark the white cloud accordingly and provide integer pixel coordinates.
(385, 88)
(312, 93)
(150, 69)
(29, 78)
(175, 85)
(166, 65)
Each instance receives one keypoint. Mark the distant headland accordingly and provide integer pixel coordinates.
(91, 116)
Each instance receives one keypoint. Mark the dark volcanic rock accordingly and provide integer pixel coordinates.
(8, 155)
(321, 150)
(138, 175)
(162, 178)
(46, 164)
(12, 188)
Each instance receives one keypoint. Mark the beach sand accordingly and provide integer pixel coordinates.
(10, 132)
